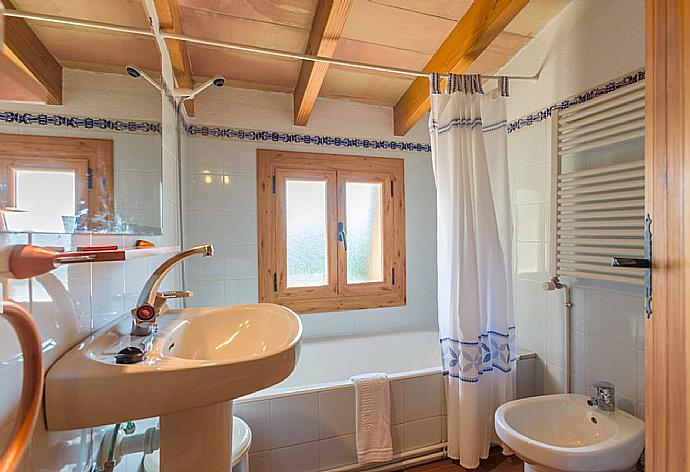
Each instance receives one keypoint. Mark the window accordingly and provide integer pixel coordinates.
(56, 184)
(331, 231)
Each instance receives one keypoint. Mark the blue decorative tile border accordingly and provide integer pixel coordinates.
(296, 138)
(541, 115)
(103, 124)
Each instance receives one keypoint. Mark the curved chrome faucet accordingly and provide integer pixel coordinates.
(152, 303)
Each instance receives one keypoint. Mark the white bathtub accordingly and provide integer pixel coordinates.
(332, 361)
(307, 421)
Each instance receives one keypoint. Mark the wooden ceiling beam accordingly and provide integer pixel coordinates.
(170, 19)
(329, 22)
(481, 24)
(26, 50)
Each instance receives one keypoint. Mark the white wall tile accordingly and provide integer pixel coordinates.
(422, 397)
(531, 334)
(426, 432)
(368, 321)
(260, 461)
(530, 260)
(579, 353)
(612, 362)
(531, 184)
(257, 415)
(241, 291)
(300, 458)
(579, 309)
(204, 192)
(240, 260)
(530, 299)
(531, 222)
(397, 394)
(420, 225)
(554, 381)
(625, 403)
(336, 412)
(580, 385)
(294, 420)
(340, 323)
(239, 192)
(205, 156)
(206, 293)
(198, 269)
(613, 316)
(396, 317)
(529, 145)
(555, 344)
(398, 438)
(555, 311)
(313, 325)
(239, 227)
(420, 194)
(337, 452)
(204, 227)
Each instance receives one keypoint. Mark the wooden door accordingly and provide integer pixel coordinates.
(667, 332)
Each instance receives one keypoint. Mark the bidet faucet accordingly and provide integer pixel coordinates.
(604, 396)
(151, 302)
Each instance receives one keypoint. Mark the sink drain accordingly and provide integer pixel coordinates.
(594, 420)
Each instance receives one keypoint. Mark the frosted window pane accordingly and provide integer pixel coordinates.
(364, 232)
(306, 233)
(45, 196)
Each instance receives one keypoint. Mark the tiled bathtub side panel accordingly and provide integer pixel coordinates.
(316, 431)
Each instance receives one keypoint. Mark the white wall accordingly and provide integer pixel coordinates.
(219, 199)
(97, 293)
(591, 42)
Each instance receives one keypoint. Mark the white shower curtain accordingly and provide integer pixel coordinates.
(475, 293)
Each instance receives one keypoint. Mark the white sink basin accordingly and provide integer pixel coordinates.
(563, 433)
(199, 360)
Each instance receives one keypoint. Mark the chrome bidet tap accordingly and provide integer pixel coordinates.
(151, 302)
(604, 396)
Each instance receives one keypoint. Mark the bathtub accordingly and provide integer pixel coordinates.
(307, 422)
(330, 362)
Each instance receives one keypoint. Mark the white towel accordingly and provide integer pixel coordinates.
(374, 443)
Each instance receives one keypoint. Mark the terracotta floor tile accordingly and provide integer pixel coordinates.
(496, 462)
(501, 463)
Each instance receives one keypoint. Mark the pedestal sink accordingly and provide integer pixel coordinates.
(197, 362)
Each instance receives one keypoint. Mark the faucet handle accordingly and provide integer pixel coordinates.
(603, 388)
(175, 294)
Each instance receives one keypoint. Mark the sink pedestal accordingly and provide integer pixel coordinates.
(198, 439)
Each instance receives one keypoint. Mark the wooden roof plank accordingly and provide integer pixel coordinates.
(170, 20)
(27, 51)
(329, 22)
(481, 24)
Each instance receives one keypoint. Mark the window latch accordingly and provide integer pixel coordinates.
(342, 236)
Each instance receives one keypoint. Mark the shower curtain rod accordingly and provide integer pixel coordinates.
(229, 45)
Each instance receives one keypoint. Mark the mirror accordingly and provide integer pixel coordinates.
(90, 165)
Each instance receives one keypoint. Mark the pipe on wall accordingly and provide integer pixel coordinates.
(32, 383)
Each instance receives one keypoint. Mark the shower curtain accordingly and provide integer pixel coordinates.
(475, 293)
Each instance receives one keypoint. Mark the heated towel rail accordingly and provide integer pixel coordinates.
(599, 198)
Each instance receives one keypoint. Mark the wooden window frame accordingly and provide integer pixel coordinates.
(272, 168)
(58, 153)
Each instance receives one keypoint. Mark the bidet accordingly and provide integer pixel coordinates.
(563, 433)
